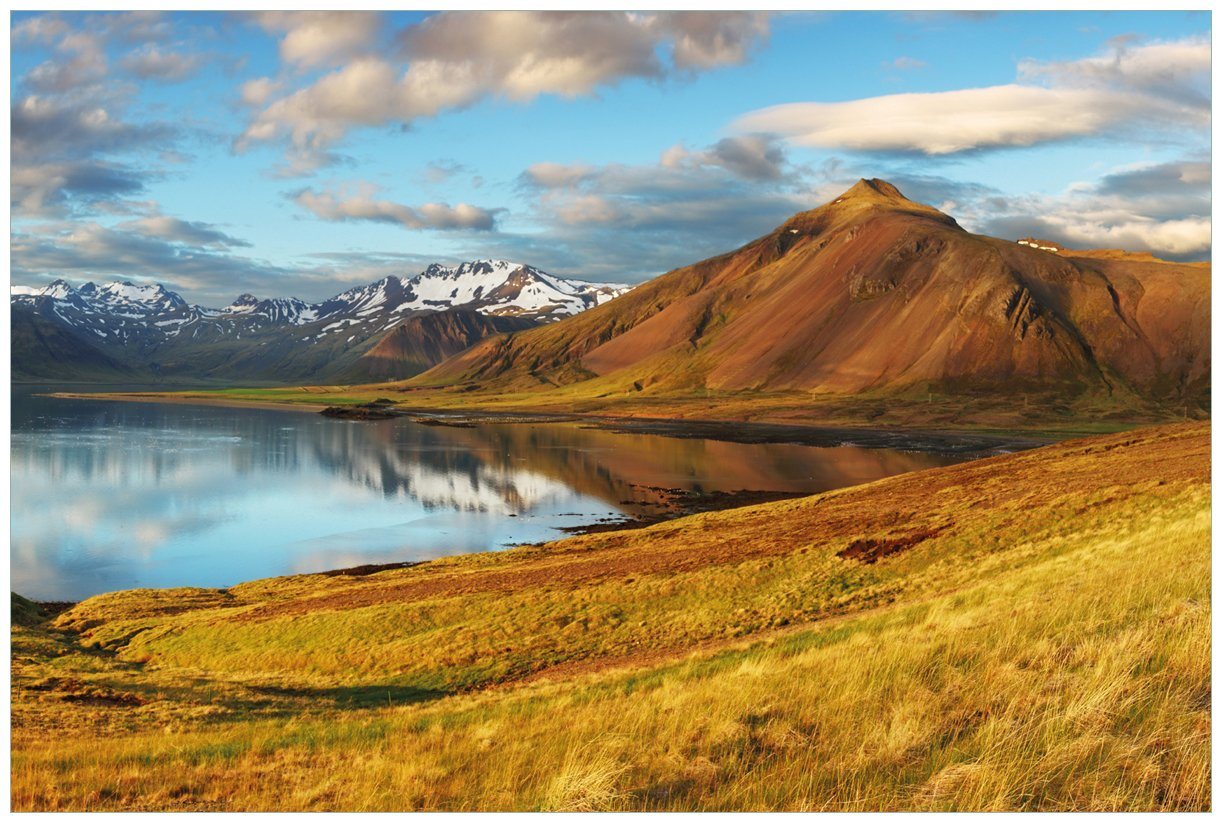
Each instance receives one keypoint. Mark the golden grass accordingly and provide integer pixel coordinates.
(1044, 645)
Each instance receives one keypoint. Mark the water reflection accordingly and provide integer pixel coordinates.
(115, 495)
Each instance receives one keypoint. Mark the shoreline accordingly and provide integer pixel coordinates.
(983, 441)
(174, 400)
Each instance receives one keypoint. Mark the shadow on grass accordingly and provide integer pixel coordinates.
(355, 697)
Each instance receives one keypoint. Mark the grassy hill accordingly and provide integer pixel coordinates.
(1025, 632)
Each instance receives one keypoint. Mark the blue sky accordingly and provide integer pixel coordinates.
(301, 153)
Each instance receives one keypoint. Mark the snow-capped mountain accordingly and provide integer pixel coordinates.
(493, 287)
(501, 287)
(162, 331)
(115, 312)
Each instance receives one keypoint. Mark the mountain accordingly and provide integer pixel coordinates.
(124, 331)
(50, 347)
(873, 294)
(424, 340)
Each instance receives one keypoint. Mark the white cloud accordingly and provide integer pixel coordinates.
(708, 39)
(152, 63)
(363, 205)
(68, 127)
(187, 232)
(81, 60)
(1188, 237)
(751, 157)
(41, 189)
(939, 123)
(623, 222)
(258, 91)
(1150, 87)
(1162, 208)
(320, 38)
(452, 60)
(548, 175)
(1178, 68)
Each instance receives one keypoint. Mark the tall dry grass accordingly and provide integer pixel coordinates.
(1065, 669)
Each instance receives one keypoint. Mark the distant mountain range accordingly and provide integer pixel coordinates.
(390, 329)
(876, 296)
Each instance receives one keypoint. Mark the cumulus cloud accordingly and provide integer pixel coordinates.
(708, 39)
(1177, 69)
(624, 222)
(81, 60)
(44, 126)
(187, 232)
(751, 157)
(72, 147)
(320, 38)
(43, 188)
(1162, 208)
(363, 205)
(1184, 183)
(152, 63)
(258, 91)
(60, 154)
(548, 175)
(1157, 86)
(452, 60)
(44, 28)
(88, 250)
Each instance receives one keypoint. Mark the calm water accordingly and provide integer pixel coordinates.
(109, 496)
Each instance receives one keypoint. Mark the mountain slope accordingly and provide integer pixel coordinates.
(873, 293)
(36, 340)
(424, 340)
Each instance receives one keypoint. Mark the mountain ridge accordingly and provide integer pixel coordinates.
(872, 293)
(130, 330)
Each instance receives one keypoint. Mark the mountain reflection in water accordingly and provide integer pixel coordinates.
(118, 495)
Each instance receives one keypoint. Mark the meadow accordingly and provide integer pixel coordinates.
(1025, 632)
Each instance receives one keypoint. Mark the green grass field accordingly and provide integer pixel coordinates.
(1026, 632)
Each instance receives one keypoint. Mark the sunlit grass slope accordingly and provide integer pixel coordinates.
(1024, 632)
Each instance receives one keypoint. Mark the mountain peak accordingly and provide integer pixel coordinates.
(869, 196)
(874, 189)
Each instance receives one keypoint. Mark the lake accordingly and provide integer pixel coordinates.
(115, 495)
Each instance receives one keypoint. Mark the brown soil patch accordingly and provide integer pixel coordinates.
(870, 550)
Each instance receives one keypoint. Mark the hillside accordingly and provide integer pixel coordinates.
(424, 340)
(1026, 632)
(47, 346)
(875, 295)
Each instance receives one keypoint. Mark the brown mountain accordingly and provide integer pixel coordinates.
(424, 340)
(873, 294)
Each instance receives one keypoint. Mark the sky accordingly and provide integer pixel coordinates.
(302, 153)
